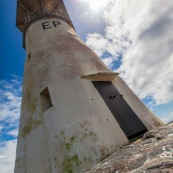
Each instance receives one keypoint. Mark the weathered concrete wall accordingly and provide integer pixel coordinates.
(78, 130)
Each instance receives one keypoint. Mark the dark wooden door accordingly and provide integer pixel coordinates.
(125, 116)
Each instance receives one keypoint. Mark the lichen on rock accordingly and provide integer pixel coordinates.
(151, 154)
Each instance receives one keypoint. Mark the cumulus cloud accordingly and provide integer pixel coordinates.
(10, 101)
(97, 42)
(140, 31)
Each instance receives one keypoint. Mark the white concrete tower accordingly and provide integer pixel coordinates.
(74, 111)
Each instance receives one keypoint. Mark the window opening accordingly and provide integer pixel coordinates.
(46, 102)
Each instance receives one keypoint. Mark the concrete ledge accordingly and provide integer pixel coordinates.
(104, 75)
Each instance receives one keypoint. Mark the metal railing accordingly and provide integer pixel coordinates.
(45, 11)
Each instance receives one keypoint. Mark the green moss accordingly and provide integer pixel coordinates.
(87, 160)
(83, 124)
(28, 95)
(37, 123)
(70, 164)
(31, 124)
(73, 139)
(27, 129)
(84, 135)
(61, 132)
(31, 103)
(92, 134)
(68, 146)
(32, 107)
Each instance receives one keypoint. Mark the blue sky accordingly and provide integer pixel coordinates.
(133, 38)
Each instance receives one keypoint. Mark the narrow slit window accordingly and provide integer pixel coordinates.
(46, 102)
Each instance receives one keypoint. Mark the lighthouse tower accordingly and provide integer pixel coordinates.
(75, 111)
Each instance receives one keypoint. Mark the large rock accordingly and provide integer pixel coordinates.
(151, 154)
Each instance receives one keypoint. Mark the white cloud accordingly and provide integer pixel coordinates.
(1, 127)
(10, 101)
(142, 32)
(96, 5)
(13, 132)
(108, 61)
(97, 42)
(7, 156)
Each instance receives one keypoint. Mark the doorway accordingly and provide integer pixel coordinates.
(123, 113)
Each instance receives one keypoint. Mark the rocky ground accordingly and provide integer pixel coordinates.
(151, 154)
